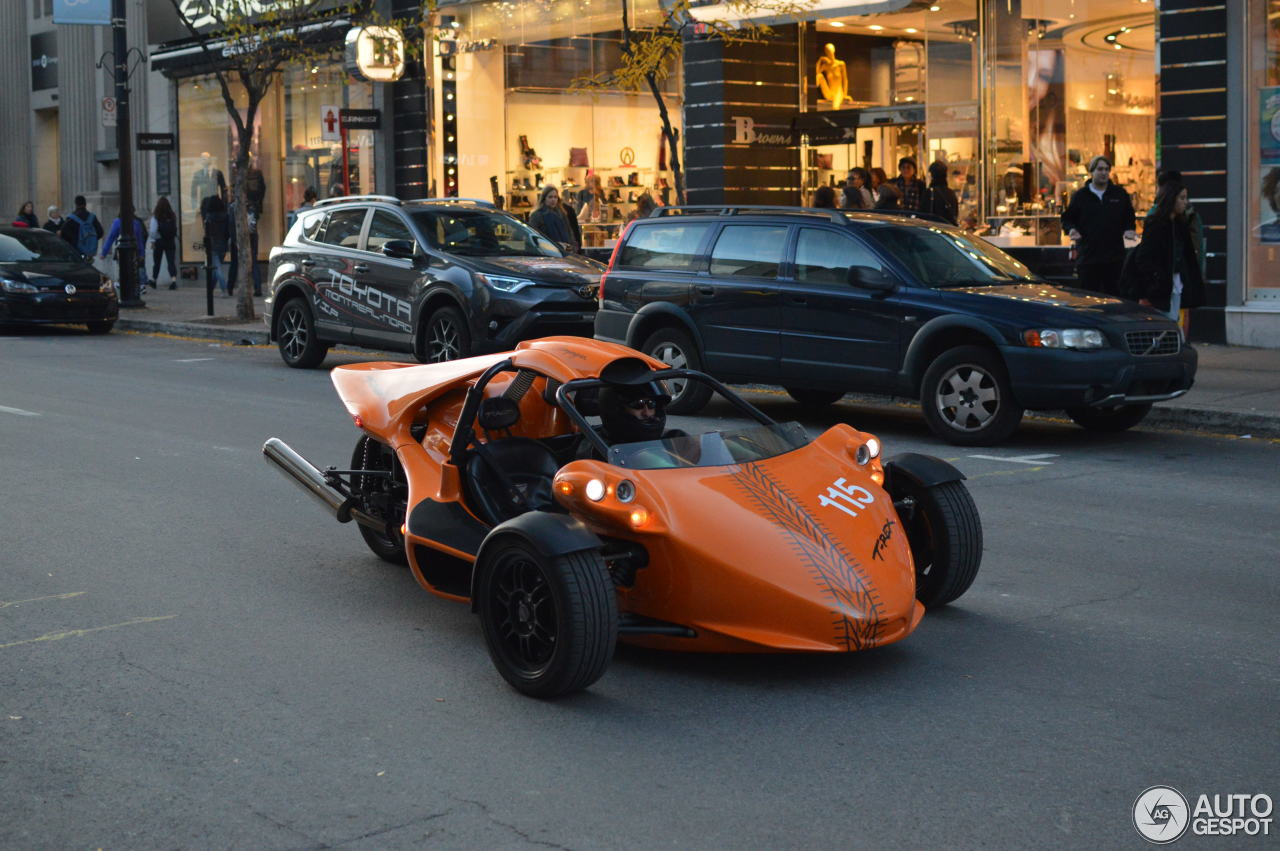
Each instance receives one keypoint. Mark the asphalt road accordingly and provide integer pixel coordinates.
(193, 656)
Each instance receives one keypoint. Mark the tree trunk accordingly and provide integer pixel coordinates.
(671, 135)
(239, 193)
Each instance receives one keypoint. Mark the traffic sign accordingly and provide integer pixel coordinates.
(108, 111)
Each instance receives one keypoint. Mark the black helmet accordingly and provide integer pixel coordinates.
(631, 413)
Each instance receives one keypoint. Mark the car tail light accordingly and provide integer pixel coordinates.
(359, 421)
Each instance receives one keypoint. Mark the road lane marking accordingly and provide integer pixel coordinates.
(18, 411)
(1016, 472)
(74, 633)
(192, 360)
(1019, 459)
(6, 603)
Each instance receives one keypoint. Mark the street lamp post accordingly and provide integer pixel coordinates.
(128, 247)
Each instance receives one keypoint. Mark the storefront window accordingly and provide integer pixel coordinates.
(1013, 96)
(523, 120)
(286, 157)
(1262, 272)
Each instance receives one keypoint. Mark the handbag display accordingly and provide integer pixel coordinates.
(578, 158)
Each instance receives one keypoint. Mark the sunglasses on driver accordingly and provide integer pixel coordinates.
(641, 404)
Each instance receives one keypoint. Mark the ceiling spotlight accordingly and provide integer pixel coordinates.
(875, 27)
(837, 23)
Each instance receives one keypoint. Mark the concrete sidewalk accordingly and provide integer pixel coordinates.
(1237, 389)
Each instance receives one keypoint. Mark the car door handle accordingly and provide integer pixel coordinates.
(360, 267)
(706, 289)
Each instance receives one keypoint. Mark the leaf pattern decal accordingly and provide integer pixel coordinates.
(857, 611)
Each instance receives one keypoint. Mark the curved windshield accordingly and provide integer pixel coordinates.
(36, 246)
(482, 233)
(711, 449)
(948, 258)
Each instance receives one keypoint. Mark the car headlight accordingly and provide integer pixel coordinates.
(11, 286)
(1064, 338)
(504, 284)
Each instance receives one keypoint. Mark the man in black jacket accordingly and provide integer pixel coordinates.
(1099, 219)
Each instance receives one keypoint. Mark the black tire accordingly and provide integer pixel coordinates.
(444, 336)
(1114, 419)
(386, 503)
(103, 327)
(815, 398)
(300, 347)
(945, 533)
(676, 349)
(967, 399)
(550, 623)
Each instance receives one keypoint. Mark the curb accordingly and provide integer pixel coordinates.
(200, 330)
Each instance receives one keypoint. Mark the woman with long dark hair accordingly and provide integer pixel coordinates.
(1163, 271)
(164, 234)
(27, 216)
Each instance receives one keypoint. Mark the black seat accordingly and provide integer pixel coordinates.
(506, 478)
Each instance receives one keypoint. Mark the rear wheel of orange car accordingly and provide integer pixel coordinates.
(550, 623)
(945, 534)
(379, 496)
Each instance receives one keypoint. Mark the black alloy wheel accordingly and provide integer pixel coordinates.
(967, 399)
(677, 350)
(1114, 419)
(101, 327)
(550, 623)
(296, 337)
(443, 337)
(945, 533)
(817, 399)
(380, 497)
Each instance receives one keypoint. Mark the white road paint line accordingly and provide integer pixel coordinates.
(192, 360)
(18, 411)
(1019, 459)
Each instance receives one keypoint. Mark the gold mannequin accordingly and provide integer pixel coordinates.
(833, 79)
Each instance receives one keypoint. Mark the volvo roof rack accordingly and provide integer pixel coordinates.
(342, 199)
(479, 202)
(836, 216)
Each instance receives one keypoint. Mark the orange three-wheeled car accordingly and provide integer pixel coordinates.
(490, 478)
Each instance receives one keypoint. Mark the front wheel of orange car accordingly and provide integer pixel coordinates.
(945, 533)
(550, 623)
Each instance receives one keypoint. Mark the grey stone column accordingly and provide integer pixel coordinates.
(79, 112)
(15, 141)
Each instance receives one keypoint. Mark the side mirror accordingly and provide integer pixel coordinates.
(566, 248)
(871, 279)
(401, 248)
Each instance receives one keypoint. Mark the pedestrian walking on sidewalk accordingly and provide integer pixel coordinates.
(140, 242)
(82, 229)
(54, 223)
(163, 228)
(857, 194)
(1195, 225)
(1163, 271)
(213, 215)
(824, 198)
(939, 198)
(910, 188)
(27, 216)
(1099, 219)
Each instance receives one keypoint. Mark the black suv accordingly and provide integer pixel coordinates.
(824, 302)
(442, 278)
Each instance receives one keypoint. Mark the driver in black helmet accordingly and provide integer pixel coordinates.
(632, 413)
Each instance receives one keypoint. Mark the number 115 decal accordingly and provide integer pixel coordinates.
(847, 498)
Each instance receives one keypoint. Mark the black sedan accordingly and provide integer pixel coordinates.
(43, 280)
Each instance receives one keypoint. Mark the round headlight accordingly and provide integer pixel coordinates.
(595, 490)
(625, 491)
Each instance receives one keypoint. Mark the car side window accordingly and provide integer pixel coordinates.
(825, 257)
(670, 245)
(312, 225)
(751, 250)
(343, 229)
(386, 226)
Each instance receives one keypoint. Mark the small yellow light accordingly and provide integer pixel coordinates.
(404, 528)
(565, 488)
(877, 476)
(639, 517)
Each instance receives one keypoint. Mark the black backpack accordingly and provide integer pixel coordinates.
(167, 229)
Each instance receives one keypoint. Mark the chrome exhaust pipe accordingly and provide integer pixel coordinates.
(307, 476)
